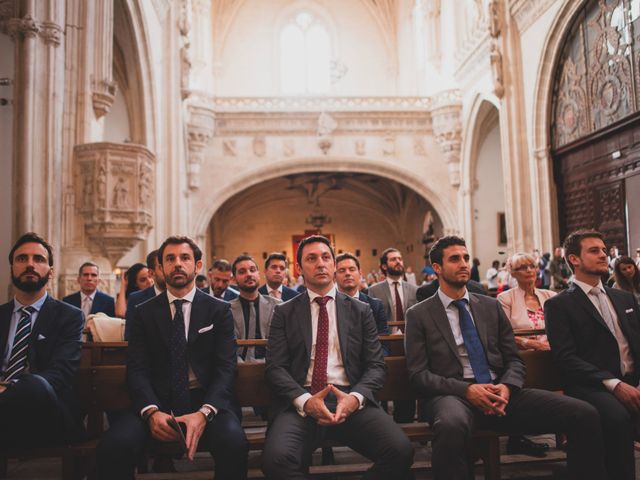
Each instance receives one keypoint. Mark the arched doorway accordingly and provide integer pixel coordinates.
(595, 123)
(363, 214)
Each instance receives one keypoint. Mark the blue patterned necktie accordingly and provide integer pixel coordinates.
(477, 356)
(18, 359)
(180, 401)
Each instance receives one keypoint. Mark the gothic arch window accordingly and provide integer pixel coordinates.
(598, 74)
(305, 55)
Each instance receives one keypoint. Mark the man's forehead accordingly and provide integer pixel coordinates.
(455, 250)
(220, 273)
(175, 248)
(31, 248)
(316, 248)
(346, 263)
(276, 262)
(89, 269)
(246, 264)
(592, 242)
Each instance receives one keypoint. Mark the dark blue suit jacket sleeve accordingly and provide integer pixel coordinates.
(104, 303)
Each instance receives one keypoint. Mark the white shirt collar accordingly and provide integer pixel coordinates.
(391, 282)
(188, 297)
(331, 293)
(157, 290)
(446, 299)
(92, 296)
(586, 288)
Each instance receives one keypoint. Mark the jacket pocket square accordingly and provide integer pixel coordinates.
(629, 310)
(41, 337)
(205, 329)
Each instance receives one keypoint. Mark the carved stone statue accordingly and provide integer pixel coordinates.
(120, 194)
(101, 182)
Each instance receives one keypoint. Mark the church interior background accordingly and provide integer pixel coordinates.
(246, 123)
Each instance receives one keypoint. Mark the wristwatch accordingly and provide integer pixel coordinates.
(208, 412)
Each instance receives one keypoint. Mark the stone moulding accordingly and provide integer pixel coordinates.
(114, 187)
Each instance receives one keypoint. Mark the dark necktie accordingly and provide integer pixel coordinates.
(399, 309)
(319, 376)
(179, 368)
(477, 356)
(18, 359)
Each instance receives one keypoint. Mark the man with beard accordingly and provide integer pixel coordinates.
(40, 347)
(219, 280)
(252, 312)
(594, 332)
(181, 360)
(141, 296)
(325, 365)
(396, 296)
(462, 357)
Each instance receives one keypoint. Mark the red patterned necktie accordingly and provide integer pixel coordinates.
(319, 377)
(399, 310)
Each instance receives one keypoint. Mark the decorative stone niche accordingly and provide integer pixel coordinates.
(114, 192)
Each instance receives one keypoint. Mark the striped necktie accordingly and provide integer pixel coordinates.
(18, 359)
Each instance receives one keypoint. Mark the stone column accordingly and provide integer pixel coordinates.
(447, 130)
(200, 129)
(102, 84)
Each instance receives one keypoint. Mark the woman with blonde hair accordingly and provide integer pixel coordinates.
(523, 306)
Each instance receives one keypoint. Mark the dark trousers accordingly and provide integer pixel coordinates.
(532, 411)
(124, 444)
(618, 430)
(292, 439)
(32, 415)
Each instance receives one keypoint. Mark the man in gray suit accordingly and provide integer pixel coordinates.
(462, 357)
(251, 311)
(397, 296)
(325, 365)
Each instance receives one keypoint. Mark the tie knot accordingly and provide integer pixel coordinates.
(178, 304)
(322, 301)
(595, 291)
(460, 304)
(28, 311)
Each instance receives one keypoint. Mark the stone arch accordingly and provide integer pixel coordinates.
(483, 117)
(446, 210)
(542, 104)
(140, 96)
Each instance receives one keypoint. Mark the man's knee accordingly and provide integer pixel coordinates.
(452, 430)
(401, 451)
(278, 463)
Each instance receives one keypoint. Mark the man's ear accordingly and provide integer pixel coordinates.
(198, 265)
(436, 268)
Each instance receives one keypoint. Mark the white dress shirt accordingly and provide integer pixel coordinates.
(453, 315)
(392, 287)
(336, 374)
(626, 360)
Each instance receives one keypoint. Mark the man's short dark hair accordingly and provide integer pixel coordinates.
(241, 258)
(31, 237)
(573, 243)
(152, 259)
(313, 239)
(275, 256)
(437, 250)
(87, 264)
(201, 278)
(179, 240)
(347, 256)
(385, 255)
(221, 264)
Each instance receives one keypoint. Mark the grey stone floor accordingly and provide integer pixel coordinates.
(514, 467)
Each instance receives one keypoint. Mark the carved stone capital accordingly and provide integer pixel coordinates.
(103, 96)
(114, 186)
(25, 27)
(447, 131)
(51, 33)
(200, 130)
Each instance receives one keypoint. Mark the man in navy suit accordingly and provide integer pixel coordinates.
(275, 270)
(182, 360)
(594, 332)
(89, 299)
(348, 277)
(141, 296)
(40, 346)
(219, 279)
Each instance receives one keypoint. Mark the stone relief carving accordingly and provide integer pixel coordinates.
(259, 146)
(51, 33)
(186, 62)
(361, 147)
(200, 130)
(447, 129)
(495, 53)
(229, 148)
(418, 147)
(288, 147)
(126, 174)
(326, 124)
(389, 146)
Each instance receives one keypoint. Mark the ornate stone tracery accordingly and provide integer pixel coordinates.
(447, 130)
(200, 129)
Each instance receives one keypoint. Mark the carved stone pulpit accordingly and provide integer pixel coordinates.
(115, 184)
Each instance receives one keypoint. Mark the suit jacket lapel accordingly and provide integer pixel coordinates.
(624, 325)
(442, 322)
(587, 305)
(387, 292)
(343, 317)
(236, 310)
(5, 320)
(480, 317)
(163, 319)
(304, 314)
(265, 309)
(405, 295)
(45, 315)
(197, 318)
